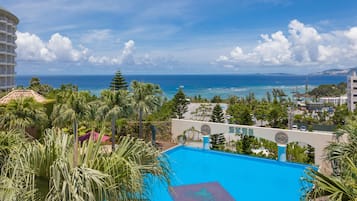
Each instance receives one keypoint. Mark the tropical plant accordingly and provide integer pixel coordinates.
(146, 98)
(72, 109)
(115, 104)
(342, 184)
(45, 171)
(22, 113)
(118, 82)
(43, 89)
(10, 141)
(217, 114)
(180, 103)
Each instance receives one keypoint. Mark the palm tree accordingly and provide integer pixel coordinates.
(342, 184)
(115, 104)
(22, 113)
(146, 98)
(45, 171)
(72, 109)
(10, 141)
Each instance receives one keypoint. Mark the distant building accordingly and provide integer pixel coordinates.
(334, 100)
(352, 91)
(8, 22)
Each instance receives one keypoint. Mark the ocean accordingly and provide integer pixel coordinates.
(205, 85)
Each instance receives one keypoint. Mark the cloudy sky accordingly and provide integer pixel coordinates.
(184, 36)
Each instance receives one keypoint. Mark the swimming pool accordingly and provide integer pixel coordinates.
(244, 178)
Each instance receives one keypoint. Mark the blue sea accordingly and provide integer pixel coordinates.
(205, 85)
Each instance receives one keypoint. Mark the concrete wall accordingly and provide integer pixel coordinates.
(318, 140)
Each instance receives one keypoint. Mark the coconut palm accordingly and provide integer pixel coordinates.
(146, 98)
(115, 104)
(22, 113)
(45, 171)
(71, 110)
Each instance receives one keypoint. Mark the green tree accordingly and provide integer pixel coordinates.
(180, 103)
(217, 114)
(340, 115)
(43, 89)
(45, 171)
(116, 104)
(241, 114)
(261, 112)
(23, 113)
(146, 98)
(277, 116)
(118, 82)
(203, 112)
(216, 99)
(342, 185)
(71, 110)
(217, 141)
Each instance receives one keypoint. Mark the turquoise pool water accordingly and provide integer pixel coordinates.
(244, 178)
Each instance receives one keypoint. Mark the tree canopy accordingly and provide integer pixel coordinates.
(118, 82)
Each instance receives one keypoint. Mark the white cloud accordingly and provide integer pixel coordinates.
(126, 56)
(31, 47)
(59, 48)
(303, 45)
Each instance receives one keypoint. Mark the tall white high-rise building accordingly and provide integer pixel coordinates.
(352, 91)
(8, 22)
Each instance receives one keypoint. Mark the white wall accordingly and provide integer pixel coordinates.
(318, 140)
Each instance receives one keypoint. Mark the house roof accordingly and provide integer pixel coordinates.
(22, 93)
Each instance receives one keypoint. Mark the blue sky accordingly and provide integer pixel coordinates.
(184, 36)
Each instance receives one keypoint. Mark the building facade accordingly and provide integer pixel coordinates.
(8, 23)
(334, 100)
(352, 91)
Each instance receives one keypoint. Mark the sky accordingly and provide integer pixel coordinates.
(66, 37)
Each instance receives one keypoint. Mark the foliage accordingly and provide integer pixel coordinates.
(43, 89)
(277, 115)
(240, 113)
(296, 153)
(217, 114)
(331, 90)
(342, 185)
(203, 112)
(340, 115)
(164, 113)
(10, 141)
(198, 99)
(217, 141)
(115, 104)
(118, 82)
(146, 98)
(245, 144)
(180, 103)
(21, 114)
(44, 171)
(216, 99)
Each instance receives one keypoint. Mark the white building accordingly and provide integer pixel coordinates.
(334, 100)
(8, 22)
(352, 91)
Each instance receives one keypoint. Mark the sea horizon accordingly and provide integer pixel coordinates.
(207, 86)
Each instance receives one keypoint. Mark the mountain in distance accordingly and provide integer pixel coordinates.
(345, 71)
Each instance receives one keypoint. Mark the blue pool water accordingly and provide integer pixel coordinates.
(245, 178)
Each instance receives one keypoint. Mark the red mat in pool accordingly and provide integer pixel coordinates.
(211, 191)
